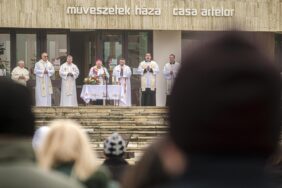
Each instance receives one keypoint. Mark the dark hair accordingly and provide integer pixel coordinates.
(225, 100)
(16, 114)
(148, 171)
(122, 59)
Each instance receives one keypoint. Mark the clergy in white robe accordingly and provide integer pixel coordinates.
(100, 72)
(20, 74)
(43, 90)
(122, 74)
(170, 71)
(148, 70)
(69, 73)
(2, 69)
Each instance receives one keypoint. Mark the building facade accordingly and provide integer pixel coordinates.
(111, 29)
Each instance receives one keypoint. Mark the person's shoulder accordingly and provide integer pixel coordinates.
(100, 178)
(49, 63)
(38, 62)
(55, 179)
(31, 176)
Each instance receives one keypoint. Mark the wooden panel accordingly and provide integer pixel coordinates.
(251, 15)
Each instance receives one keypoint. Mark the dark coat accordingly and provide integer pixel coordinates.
(18, 169)
(117, 166)
(223, 173)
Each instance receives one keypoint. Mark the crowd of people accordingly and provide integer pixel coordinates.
(224, 131)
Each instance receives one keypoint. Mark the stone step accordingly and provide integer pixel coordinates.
(139, 126)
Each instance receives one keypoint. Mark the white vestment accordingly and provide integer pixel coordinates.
(2, 72)
(94, 71)
(20, 72)
(43, 89)
(170, 77)
(68, 88)
(123, 79)
(148, 79)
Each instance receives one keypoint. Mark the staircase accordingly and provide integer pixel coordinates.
(138, 125)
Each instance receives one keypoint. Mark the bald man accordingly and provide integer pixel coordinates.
(20, 74)
(43, 71)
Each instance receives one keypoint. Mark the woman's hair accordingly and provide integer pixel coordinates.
(66, 142)
(149, 171)
(276, 158)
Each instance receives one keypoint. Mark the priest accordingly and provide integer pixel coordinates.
(43, 90)
(170, 71)
(69, 73)
(101, 73)
(20, 74)
(148, 69)
(122, 74)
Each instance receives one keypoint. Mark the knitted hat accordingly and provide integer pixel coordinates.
(114, 145)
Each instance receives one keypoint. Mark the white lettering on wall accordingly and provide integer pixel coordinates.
(146, 11)
(100, 10)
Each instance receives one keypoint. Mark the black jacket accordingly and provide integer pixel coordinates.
(117, 166)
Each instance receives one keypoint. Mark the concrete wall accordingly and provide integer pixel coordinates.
(250, 15)
(165, 43)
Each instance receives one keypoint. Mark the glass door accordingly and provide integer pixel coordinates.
(26, 50)
(112, 50)
(5, 54)
(57, 52)
(138, 46)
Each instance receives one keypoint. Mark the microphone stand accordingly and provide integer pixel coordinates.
(106, 79)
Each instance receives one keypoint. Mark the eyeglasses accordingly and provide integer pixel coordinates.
(45, 56)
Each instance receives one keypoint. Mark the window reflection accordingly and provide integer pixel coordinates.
(57, 51)
(112, 44)
(5, 57)
(26, 50)
(137, 48)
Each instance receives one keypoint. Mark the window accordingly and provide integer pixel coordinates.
(57, 51)
(26, 49)
(137, 47)
(5, 51)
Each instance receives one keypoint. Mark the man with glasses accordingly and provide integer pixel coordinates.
(43, 90)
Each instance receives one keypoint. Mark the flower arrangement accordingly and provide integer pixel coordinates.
(91, 81)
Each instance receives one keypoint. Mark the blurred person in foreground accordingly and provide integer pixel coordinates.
(17, 167)
(114, 150)
(225, 115)
(275, 167)
(153, 169)
(66, 149)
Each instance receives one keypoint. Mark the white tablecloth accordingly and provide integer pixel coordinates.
(94, 92)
